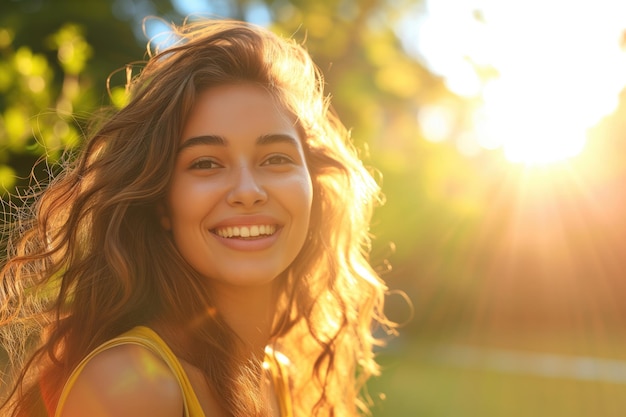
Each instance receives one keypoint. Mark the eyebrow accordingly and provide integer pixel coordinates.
(277, 138)
(216, 140)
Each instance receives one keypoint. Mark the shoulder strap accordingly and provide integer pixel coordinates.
(145, 337)
(277, 363)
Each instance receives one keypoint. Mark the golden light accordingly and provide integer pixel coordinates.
(555, 68)
(531, 127)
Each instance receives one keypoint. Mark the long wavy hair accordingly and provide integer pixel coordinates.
(89, 260)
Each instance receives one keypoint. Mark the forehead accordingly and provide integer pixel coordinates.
(238, 111)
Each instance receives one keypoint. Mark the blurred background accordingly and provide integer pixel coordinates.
(498, 127)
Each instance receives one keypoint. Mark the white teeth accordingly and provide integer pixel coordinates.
(246, 231)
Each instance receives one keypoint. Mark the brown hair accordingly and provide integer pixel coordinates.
(93, 261)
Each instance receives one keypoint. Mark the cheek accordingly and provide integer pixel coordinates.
(301, 194)
(186, 201)
(301, 205)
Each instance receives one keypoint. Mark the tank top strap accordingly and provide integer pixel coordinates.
(278, 364)
(148, 338)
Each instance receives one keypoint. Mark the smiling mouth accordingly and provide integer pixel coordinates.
(246, 232)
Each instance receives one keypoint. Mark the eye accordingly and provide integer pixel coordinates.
(278, 160)
(205, 164)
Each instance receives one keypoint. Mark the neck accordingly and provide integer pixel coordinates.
(248, 311)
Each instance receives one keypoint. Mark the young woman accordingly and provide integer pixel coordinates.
(206, 252)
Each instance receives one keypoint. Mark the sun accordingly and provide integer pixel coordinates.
(530, 124)
(544, 150)
(553, 80)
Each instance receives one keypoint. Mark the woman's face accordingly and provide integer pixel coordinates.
(239, 202)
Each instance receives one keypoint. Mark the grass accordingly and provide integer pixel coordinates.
(416, 382)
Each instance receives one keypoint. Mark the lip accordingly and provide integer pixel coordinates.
(247, 245)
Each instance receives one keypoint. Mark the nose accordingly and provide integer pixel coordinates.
(246, 190)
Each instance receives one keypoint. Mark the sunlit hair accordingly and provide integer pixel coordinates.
(92, 261)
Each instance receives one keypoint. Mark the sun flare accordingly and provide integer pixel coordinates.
(531, 127)
(555, 69)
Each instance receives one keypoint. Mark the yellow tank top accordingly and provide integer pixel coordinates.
(149, 339)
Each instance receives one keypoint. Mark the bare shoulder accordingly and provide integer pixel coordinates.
(126, 380)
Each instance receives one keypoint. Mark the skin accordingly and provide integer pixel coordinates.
(126, 380)
(241, 164)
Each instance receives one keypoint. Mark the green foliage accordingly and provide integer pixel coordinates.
(7, 177)
(55, 57)
(73, 50)
(39, 101)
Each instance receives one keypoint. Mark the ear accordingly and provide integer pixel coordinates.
(164, 217)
